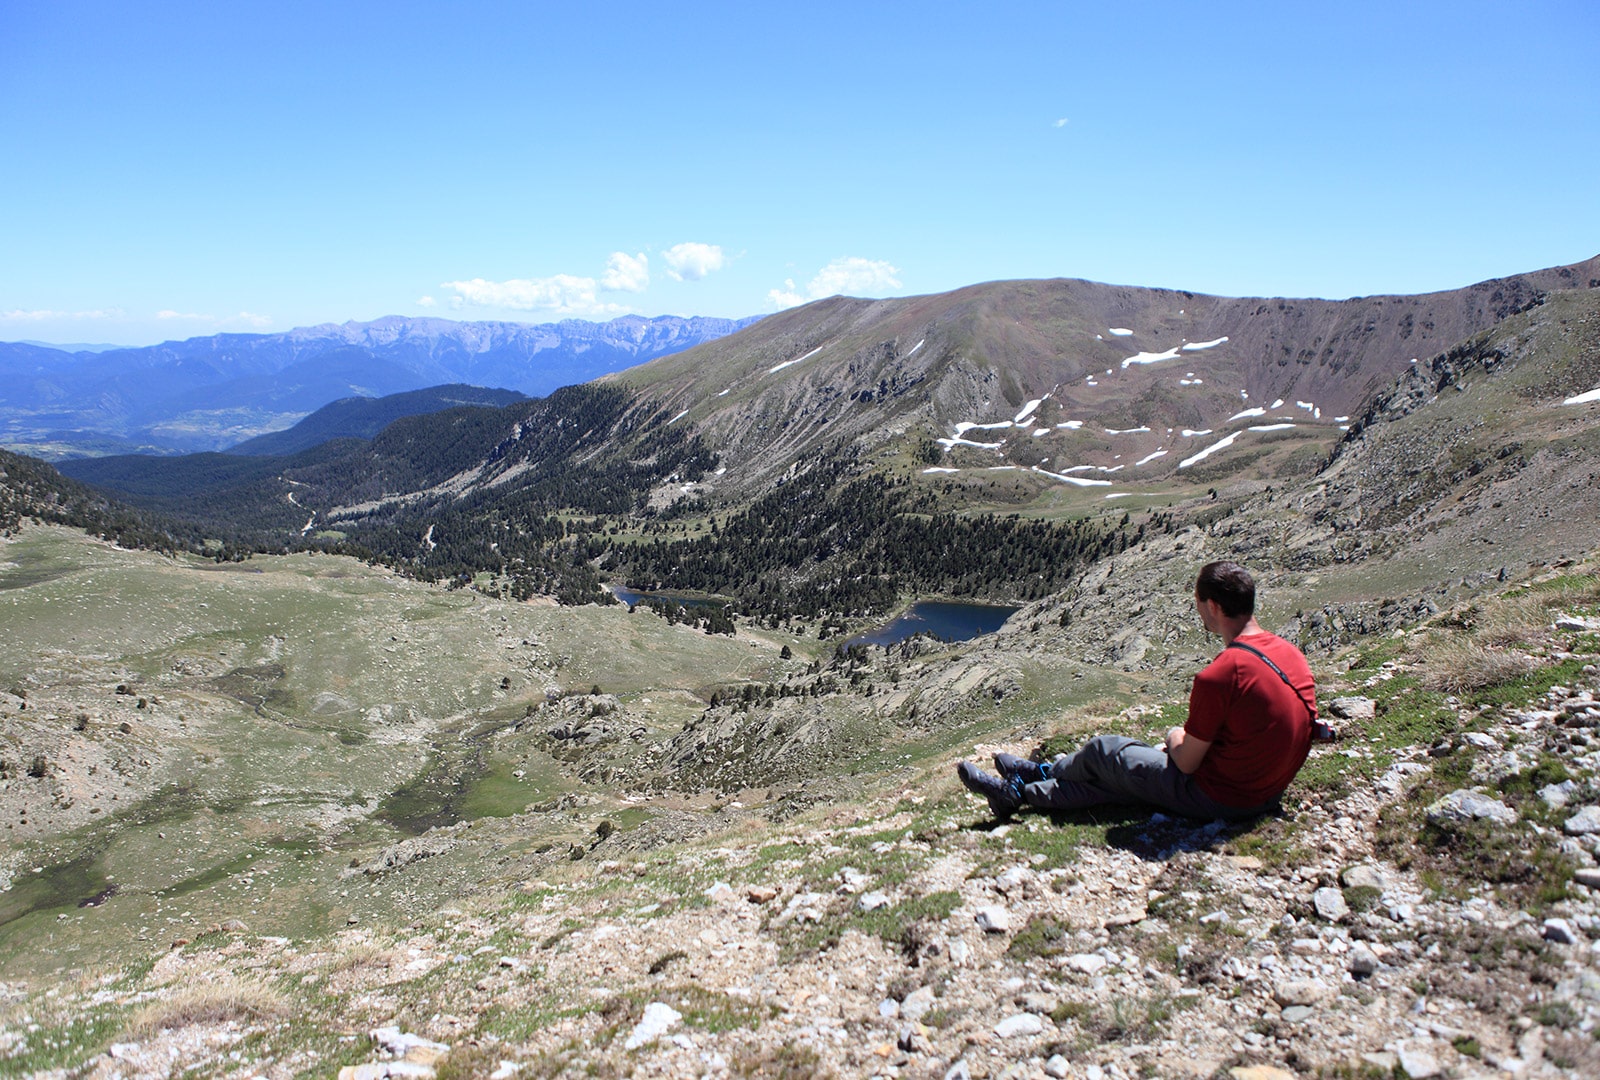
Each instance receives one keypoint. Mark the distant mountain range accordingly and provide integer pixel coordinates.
(213, 392)
(833, 443)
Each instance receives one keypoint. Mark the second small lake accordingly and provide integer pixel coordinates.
(633, 596)
(946, 620)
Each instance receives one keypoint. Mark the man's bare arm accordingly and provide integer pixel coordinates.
(1186, 751)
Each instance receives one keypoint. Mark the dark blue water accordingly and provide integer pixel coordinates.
(944, 619)
(632, 597)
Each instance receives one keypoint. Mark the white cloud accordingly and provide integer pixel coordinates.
(563, 294)
(626, 273)
(785, 297)
(1061, 123)
(426, 301)
(168, 314)
(18, 315)
(854, 275)
(850, 275)
(691, 261)
(249, 318)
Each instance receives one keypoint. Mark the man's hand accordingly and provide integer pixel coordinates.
(1186, 751)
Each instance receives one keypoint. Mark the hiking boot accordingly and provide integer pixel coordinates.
(1031, 771)
(1003, 794)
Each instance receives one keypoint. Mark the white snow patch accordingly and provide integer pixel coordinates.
(1278, 404)
(1121, 331)
(1090, 382)
(720, 471)
(1126, 431)
(1074, 425)
(1340, 419)
(1191, 382)
(1221, 443)
(723, 393)
(791, 363)
(967, 425)
(307, 527)
(1245, 394)
(1041, 431)
(1004, 468)
(1189, 433)
(1124, 494)
(1150, 357)
(1148, 458)
(950, 443)
(1098, 337)
(1584, 398)
(1077, 481)
(1027, 410)
(1246, 413)
(1271, 427)
(1196, 346)
(1306, 405)
(914, 348)
(680, 416)
(939, 468)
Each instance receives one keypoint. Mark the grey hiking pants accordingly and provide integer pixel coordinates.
(1115, 769)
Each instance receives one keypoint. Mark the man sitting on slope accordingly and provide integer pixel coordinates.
(1251, 717)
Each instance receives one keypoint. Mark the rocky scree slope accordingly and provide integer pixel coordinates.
(872, 370)
(1420, 910)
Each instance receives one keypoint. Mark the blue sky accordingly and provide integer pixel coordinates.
(182, 169)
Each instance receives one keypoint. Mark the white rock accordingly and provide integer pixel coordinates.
(1301, 992)
(1057, 1068)
(1582, 823)
(720, 892)
(413, 1069)
(1556, 796)
(1365, 876)
(960, 951)
(1088, 963)
(1020, 1024)
(889, 1009)
(1417, 1061)
(1353, 708)
(1588, 876)
(1480, 740)
(659, 1018)
(1329, 903)
(917, 1003)
(872, 901)
(1014, 878)
(372, 1070)
(1561, 932)
(1363, 961)
(1577, 622)
(993, 919)
(958, 1071)
(1463, 805)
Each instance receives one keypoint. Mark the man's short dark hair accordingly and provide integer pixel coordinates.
(1230, 585)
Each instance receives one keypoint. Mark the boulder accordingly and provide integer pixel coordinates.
(1365, 876)
(1585, 821)
(1353, 708)
(1329, 903)
(1463, 805)
(993, 919)
(1020, 1024)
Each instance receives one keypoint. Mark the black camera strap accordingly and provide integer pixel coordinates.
(1310, 708)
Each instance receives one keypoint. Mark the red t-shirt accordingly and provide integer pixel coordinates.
(1259, 730)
